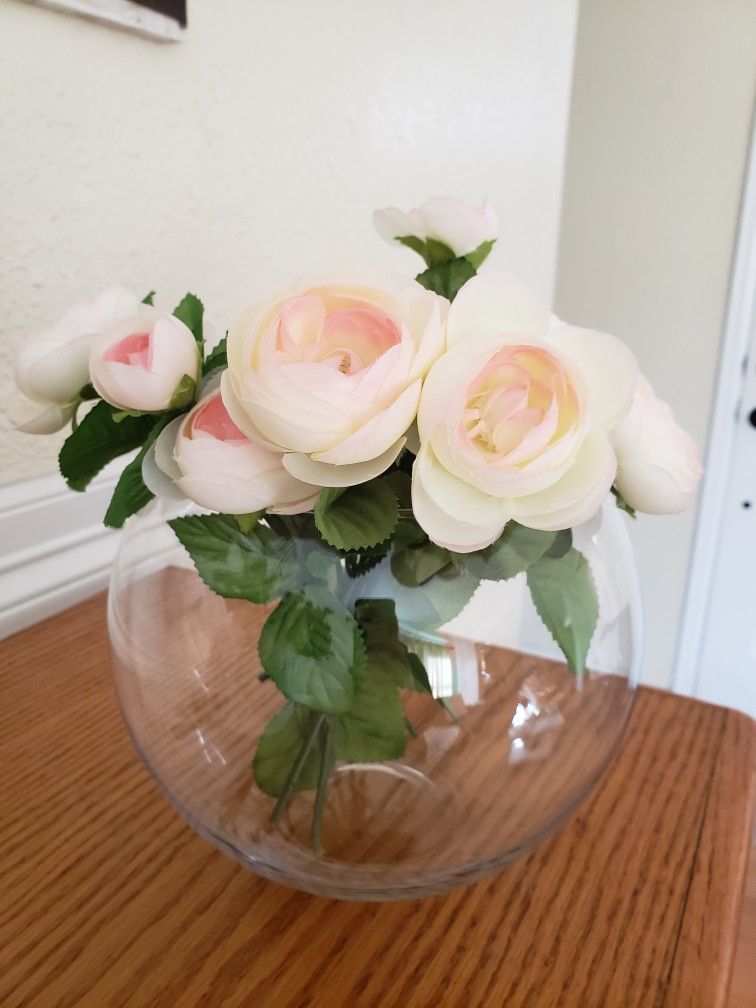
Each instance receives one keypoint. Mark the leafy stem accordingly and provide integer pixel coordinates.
(313, 727)
(326, 765)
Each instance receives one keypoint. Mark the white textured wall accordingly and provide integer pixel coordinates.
(662, 100)
(259, 145)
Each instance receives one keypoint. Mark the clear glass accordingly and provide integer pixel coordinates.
(520, 744)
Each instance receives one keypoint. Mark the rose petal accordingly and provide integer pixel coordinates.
(609, 369)
(321, 474)
(575, 497)
(496, 302)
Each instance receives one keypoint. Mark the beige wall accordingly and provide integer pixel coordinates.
(662, 101)
(260, 145)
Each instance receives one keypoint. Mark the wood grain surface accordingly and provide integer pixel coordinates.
(107, 898)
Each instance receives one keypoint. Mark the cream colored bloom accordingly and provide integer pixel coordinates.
(459, 225)
(53, 367)
(515, 418)
(330, 372)
(658, 465)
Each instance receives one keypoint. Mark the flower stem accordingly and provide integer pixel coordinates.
(284, 798)
(326, 763)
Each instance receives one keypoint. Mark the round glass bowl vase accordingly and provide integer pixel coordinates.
(514, 746)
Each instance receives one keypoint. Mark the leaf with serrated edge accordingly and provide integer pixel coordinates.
(190, 311)
(259, 566)
(311, 647)
(357, 517)
(98, 440)
(565, 598)
(512, 553)
(131, 494)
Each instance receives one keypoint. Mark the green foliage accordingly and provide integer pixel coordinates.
(190, 311)
(258, 565)
(373, 729)
(217, 358)
(387, 656)
(358, 517)
(277, 752)
(97, 440)
(416, 563)
(565, 597)
(622, 504)
(88, 392)
(149, 298)
(447, 278)
(311, 648)
(183, 394)
(131, 494)
(478, 256)
(512, 553)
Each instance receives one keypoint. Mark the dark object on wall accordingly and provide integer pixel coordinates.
(175, 9)
(157, 19)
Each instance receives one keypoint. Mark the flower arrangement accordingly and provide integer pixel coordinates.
(448, 427)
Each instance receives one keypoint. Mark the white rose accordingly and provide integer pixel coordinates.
(208, 459)
(148, 361)
(329, 373)
(52, 368)
(657, 461)
(514, 419)
(460, 226)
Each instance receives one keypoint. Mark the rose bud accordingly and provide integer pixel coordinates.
(210, 461)
(330, 373)
(657, 461)
(147, 362)
(52, 368)
(463, 228)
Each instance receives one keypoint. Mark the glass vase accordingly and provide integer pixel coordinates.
(502, 753)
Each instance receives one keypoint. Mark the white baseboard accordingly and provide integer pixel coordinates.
(54, 549)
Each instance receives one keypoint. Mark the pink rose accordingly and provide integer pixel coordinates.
(209, 460)
(146, 362)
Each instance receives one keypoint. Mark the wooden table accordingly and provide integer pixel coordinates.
(108, 899)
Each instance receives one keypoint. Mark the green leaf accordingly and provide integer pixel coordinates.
(278, 749)
(565, 597)
(373, 729)
(183, 394)
(311, 648)
(354, 518)
(415, 564)
(414, 243)
(98, 440)
(622, 503)
(247, 522)
(512, 553)
(447, 278)
(380, 631)
(190, 311)
(259, 566)
(131, 494)
(358, 564)
(149, 298)
(88, 392)
(478, 256)
(437, 252)
(217, 358)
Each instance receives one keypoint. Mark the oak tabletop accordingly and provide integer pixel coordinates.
(107, 898)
